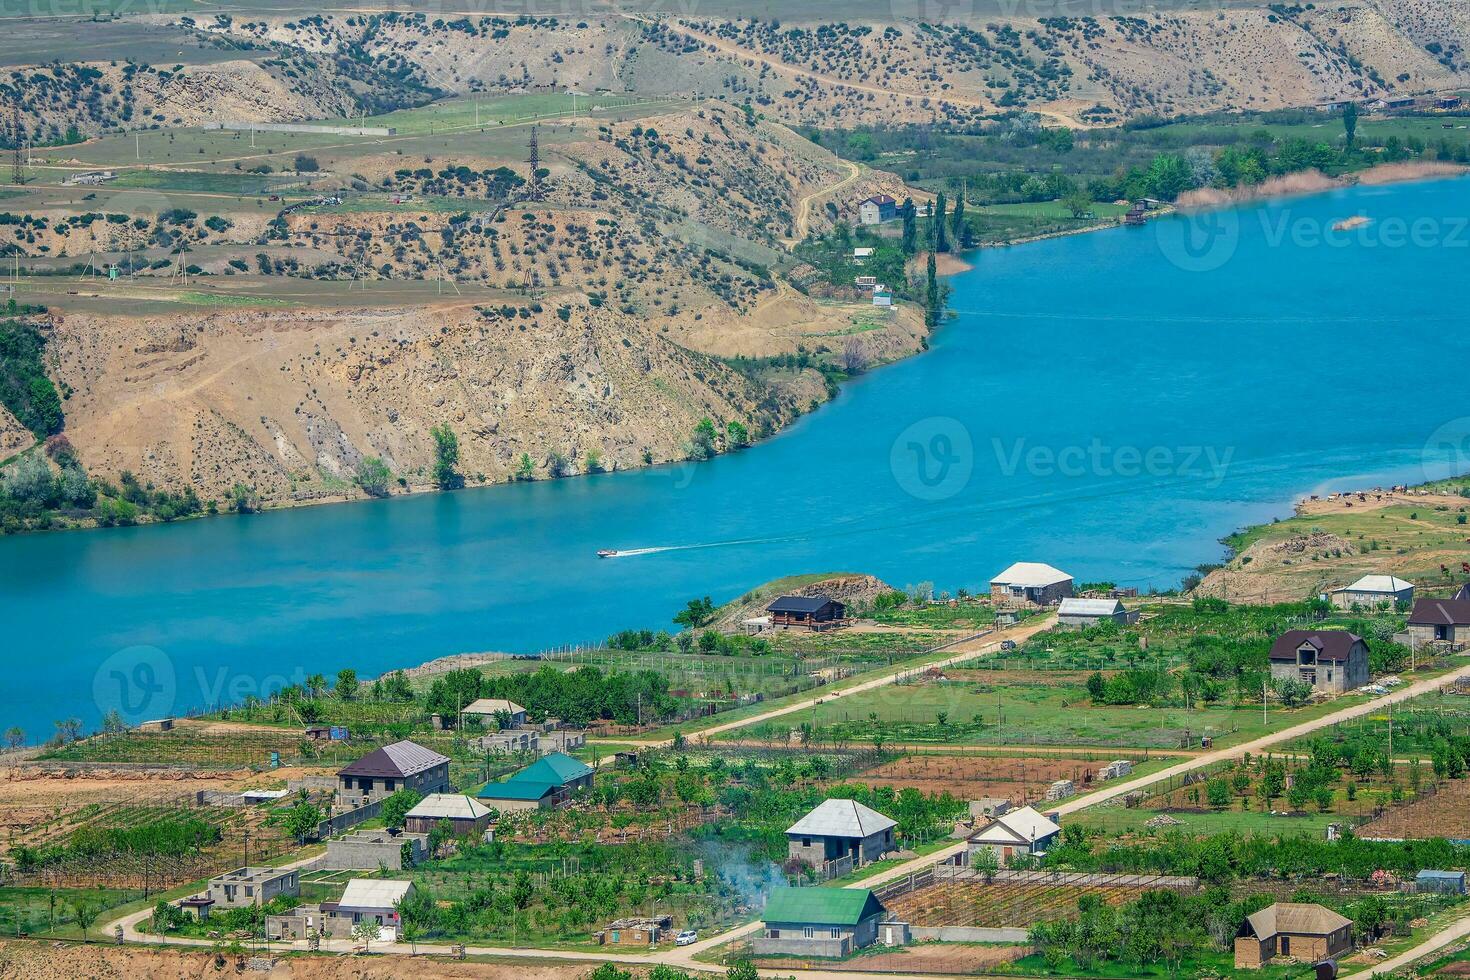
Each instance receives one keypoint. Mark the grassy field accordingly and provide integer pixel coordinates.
(44, 910)
(1041, 708)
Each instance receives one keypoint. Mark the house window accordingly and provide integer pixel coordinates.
(389, 785)
(806, 842)
(807, 932)
(836, 933)
(773, 933)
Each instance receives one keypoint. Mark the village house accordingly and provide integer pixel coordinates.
(877, 209)
(465, 816)
(368, 850)
(989, 806)
(492, 711)
(1440, 621)
(882, 296)
(402, 765)
(861, 255)
(1022, 831)
(1332, 661)
(838, 829)
(827, 922)
(809, 612)
(370, 899)
(561, 740)
(1371, 591)
(1029, 583)
(1082, 613)
(547, 782)
(246, 887)
(1304, 932)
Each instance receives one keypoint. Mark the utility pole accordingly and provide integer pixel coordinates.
(17, 169)
(535, 161)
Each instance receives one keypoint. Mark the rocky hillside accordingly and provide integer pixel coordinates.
(289, 403)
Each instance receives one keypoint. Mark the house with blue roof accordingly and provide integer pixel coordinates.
(548, 782)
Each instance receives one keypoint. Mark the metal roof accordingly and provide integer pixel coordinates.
(1031, 575)
(518, 789)
(399, 759)
(556, 767)
(821, 906)
(1330, 644)
(1440, 612)
(1024, 824)
(841, 818)
(489, 706)
(799, 603)
(374, 893)
(449, 806)
(1295, 919)
(1089, 607)
(1378, 583)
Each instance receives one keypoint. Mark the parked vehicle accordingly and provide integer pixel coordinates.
(686, 938)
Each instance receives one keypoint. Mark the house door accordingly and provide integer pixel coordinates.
(1285, 945)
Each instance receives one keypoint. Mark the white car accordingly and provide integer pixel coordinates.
(686, 938)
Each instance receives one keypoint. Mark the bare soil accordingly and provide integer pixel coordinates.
(1445, 814)
(973, 777)
(21, 960)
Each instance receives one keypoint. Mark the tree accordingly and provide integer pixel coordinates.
(696, 613)
(347, 685)
(702, 444)
(412, 932)
(936, 224)
(957, 220)
(15, 737)
(910, 238)
(446, 458)
(931, 294)
(365, 932)
(373, 476)
(244, 499)
(395, 808)
(526, 468)
(85, 914)
(1078, 205)
(302, 821)
(1350, 122)
(304, 164)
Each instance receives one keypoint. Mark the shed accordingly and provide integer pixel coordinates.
(466, 816)
(840, 829)
(1089, 612)
(1441, 882)
(1304, 931)
(490, 709)
(827, 922)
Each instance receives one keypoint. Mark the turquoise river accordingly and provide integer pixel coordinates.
(1111, 403)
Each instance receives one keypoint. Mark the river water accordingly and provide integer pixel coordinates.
(1112, 403)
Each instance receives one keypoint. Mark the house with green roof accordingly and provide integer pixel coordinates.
(548, 782)
(830, 922)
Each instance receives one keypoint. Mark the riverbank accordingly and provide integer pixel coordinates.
(1315, 182)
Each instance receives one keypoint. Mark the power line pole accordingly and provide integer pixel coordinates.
(535, 161)
(17, 168)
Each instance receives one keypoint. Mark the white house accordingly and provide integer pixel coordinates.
(1032, 582)
(375, 900)
(1022, 831)
(877, 209)
(488, 708)
(882, 296)
(861, 255)
(1372, 590)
